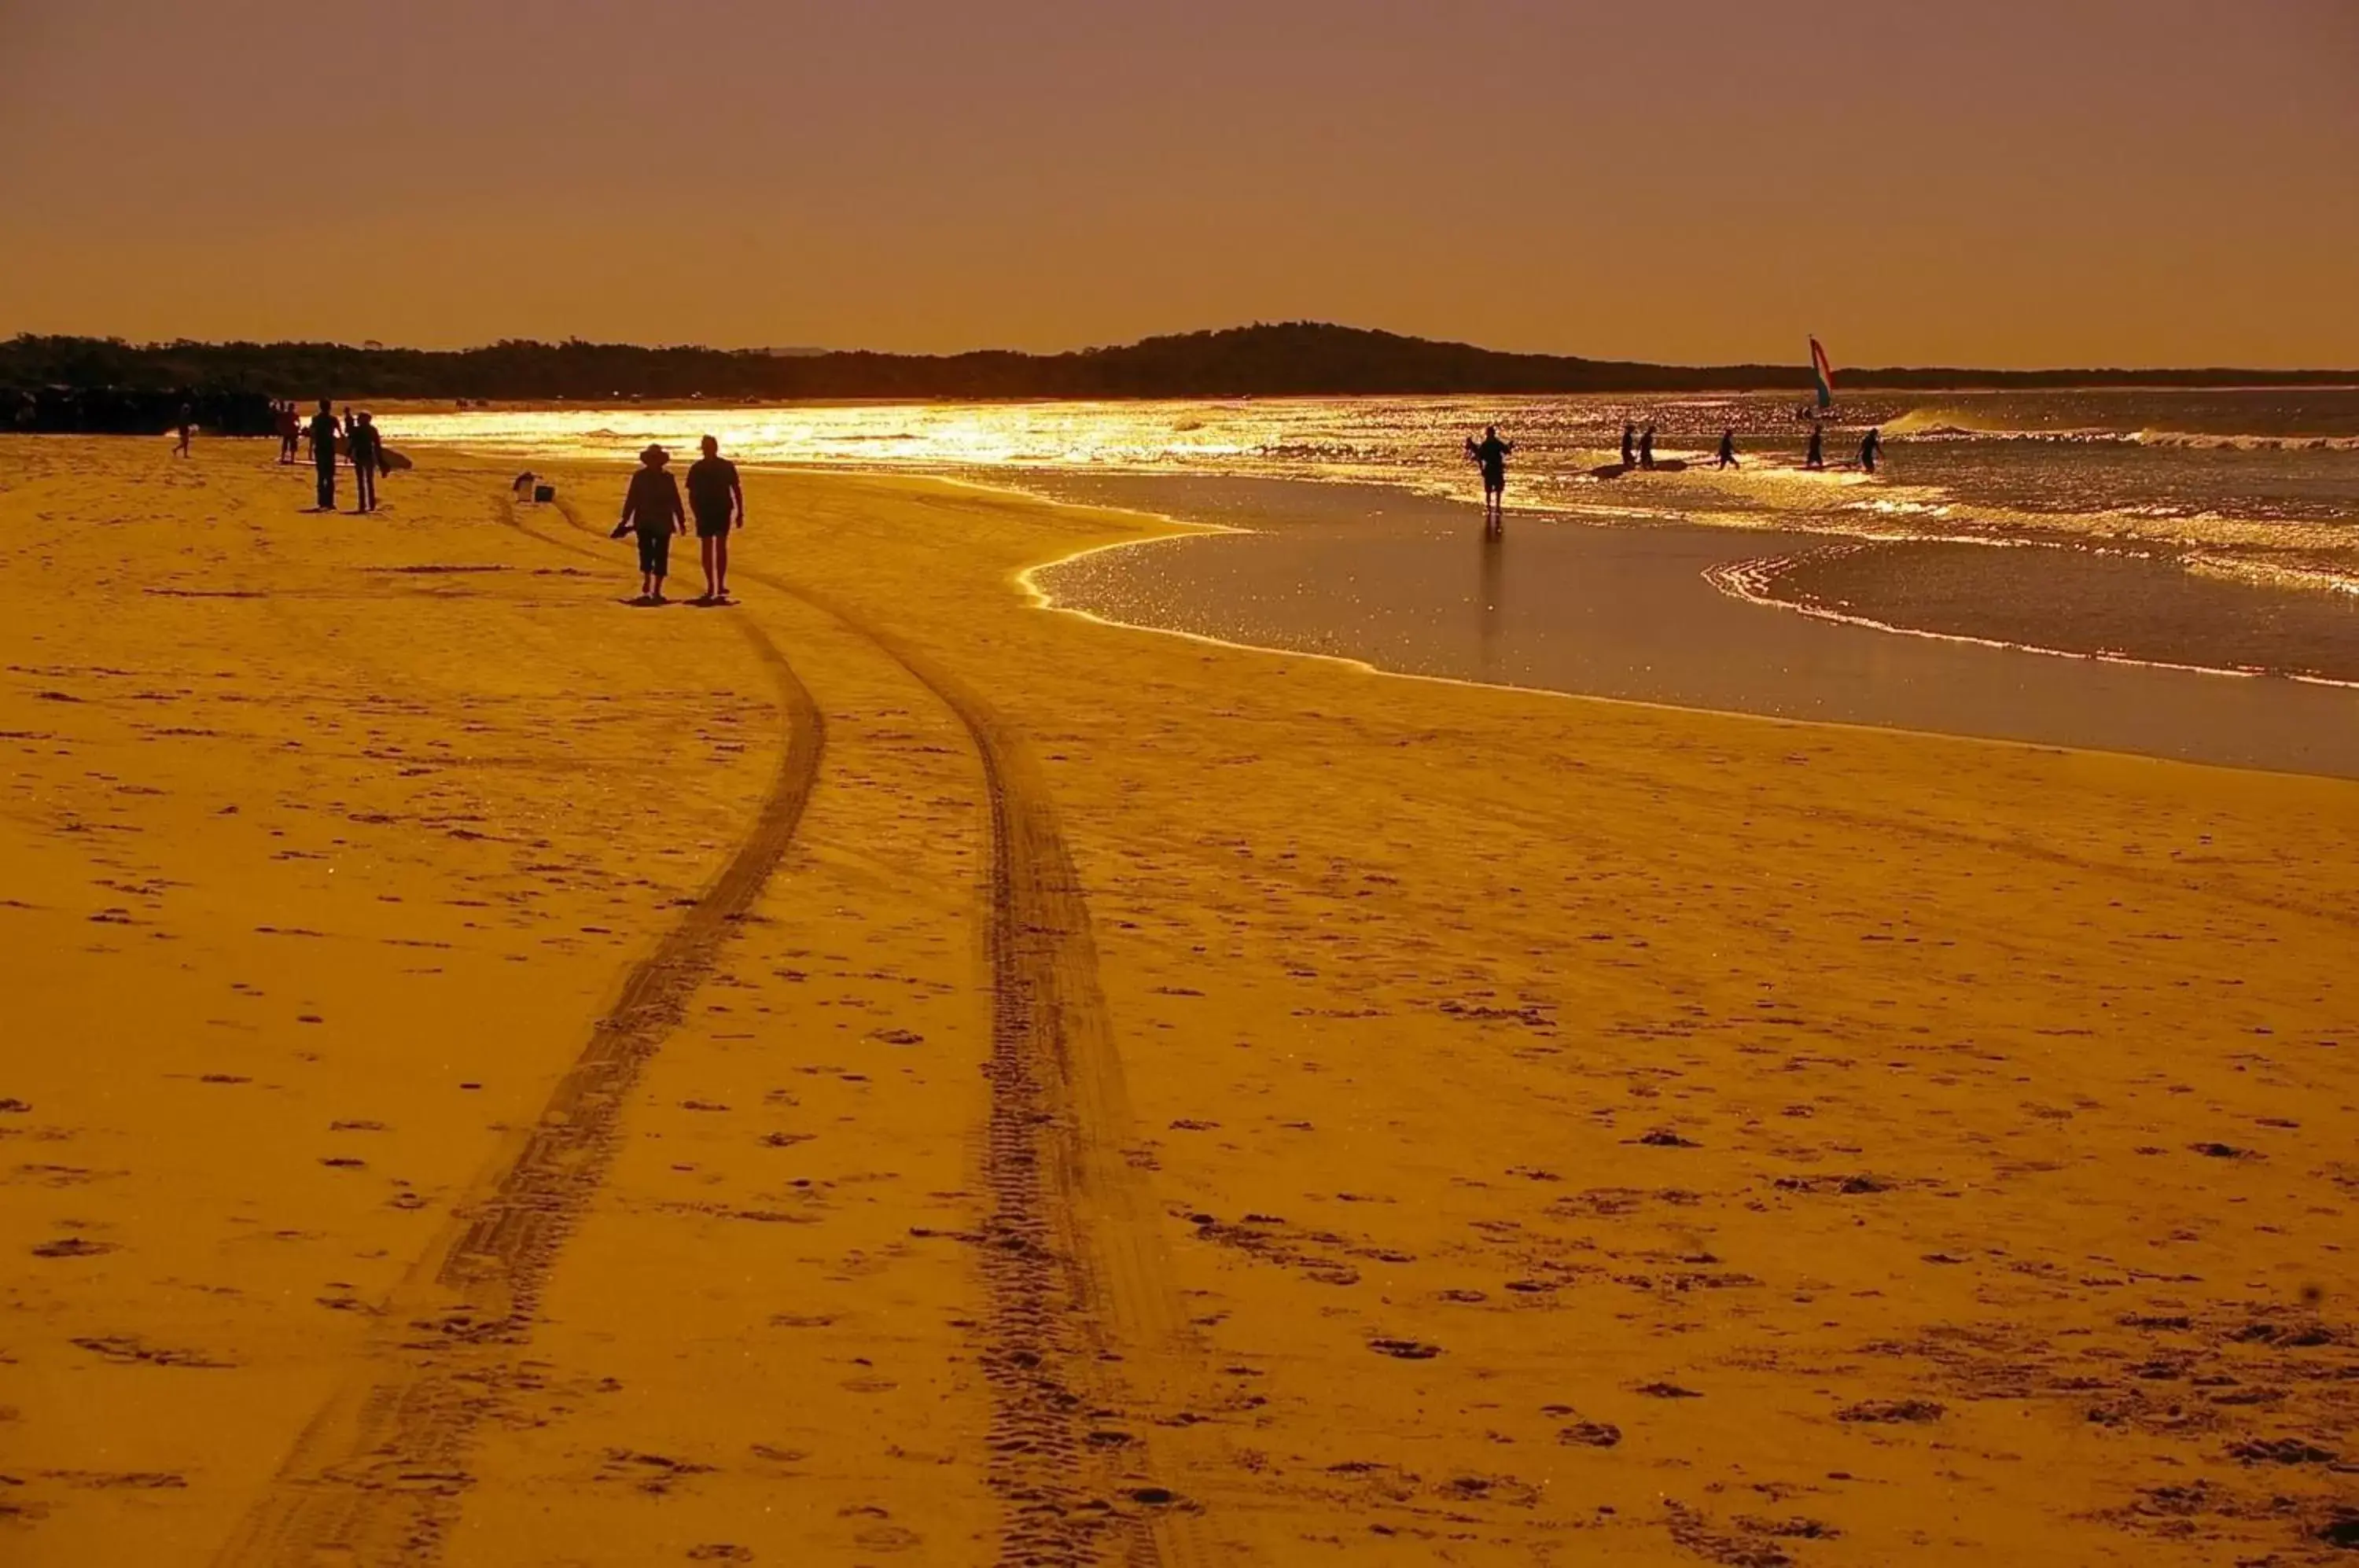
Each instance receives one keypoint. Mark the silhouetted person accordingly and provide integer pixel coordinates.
(1647, 448)
(290, 431)
(188, 431)
(368, 455)
(719, 502)
(1869, 449)
(1728, 449)
(652, 509)
(321, 434)
(1817, 456)
(1490, 454)
(1629, 446)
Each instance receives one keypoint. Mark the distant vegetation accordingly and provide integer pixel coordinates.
(1295, 359)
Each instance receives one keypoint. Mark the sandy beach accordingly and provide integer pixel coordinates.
(890, 1073)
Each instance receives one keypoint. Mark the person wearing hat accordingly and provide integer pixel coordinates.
(652, 510)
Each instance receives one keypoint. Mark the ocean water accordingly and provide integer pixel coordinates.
(2213, 530)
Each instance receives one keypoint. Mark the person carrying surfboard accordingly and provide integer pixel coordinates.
(368, 455)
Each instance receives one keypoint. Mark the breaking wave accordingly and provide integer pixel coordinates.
(1953, 425)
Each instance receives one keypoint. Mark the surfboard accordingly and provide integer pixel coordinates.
(388, 460)
(1616, 470)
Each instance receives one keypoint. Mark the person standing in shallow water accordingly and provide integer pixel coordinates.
(719, 502)
(1647, 449)
(1629, 446)
(1728, 449)
(652, 509)
(1817, 456)
(1869, 449)
(1490, 454)
(322, 436)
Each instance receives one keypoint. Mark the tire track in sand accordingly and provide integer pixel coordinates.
(1085, 1344)
(379, 1475)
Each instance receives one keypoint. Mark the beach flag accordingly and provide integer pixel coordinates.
(1825, 372)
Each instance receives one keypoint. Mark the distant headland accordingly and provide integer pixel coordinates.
(1269, 360)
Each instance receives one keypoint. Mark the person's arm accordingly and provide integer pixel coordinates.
(737, 495)
(678, 507)
(630, 503)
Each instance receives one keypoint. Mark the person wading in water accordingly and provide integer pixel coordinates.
(1490, 454)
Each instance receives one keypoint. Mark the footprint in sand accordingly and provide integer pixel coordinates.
(1591, 1435)
(75, 1247)
(1404, 1349)
(1916, 1411)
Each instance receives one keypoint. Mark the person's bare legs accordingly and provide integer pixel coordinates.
(719, 571)
(707, 547)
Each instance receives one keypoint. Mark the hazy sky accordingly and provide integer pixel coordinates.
(1994, 182)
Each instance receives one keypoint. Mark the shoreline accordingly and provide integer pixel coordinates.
(1173, 525)
(1928, 682)
(1747, 582)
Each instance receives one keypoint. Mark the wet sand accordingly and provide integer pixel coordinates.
(888, 1074)
(1409, 585)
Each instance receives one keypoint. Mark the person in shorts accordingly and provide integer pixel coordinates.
(719, 503)
(652, 509)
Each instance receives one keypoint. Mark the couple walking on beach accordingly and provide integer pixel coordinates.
(652, 509)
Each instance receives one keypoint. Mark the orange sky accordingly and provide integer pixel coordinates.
(2005, 183)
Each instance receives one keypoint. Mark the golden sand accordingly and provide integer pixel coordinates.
(889, 1073)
